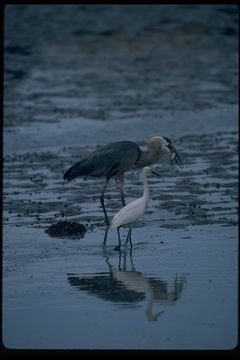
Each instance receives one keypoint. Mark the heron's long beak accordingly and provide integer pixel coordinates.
(154, 173)
(175, 156)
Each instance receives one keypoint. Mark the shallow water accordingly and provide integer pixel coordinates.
(71, 86)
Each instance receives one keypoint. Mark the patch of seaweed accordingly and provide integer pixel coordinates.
(66, 229)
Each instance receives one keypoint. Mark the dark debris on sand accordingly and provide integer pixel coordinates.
(66, 229)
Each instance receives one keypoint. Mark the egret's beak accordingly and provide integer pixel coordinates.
(155, 173)
(174, 155)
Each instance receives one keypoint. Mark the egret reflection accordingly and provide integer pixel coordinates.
(124, 285)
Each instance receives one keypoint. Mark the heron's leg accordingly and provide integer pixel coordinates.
(108, 263)
(119, 239)
(119, 260)
(102, 198)
(105, 236)
(121, 181)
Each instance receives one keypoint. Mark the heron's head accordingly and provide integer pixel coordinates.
(165, 145)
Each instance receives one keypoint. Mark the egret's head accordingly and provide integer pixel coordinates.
(145, 171)
(165, 145)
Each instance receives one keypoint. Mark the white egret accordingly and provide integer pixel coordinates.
(134, 210)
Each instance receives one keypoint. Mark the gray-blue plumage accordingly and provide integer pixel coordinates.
(114, 159)
(110, 160)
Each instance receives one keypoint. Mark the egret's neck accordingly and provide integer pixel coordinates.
(146, 190)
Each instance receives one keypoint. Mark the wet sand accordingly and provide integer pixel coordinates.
(71, 87)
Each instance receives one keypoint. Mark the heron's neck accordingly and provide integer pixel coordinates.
(148, 158)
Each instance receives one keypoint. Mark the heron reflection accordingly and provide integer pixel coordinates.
(124, 285)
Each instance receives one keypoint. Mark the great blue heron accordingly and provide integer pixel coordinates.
(133, 211)
(114, 159)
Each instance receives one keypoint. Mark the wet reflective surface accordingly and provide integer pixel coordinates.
(175, 290)
(80, 77)
(129, 287)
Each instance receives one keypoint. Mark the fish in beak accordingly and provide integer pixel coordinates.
(173, 152)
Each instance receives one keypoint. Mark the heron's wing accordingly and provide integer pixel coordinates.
(109, 160)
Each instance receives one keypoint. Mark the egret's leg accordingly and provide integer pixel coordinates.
(126, 241)
(121, 181)
(129, 236)
(118, 247)
(125, 261)
(102, 199)
(133, 268)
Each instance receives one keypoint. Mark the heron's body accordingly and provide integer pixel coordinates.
(111, 160)
(116, 158)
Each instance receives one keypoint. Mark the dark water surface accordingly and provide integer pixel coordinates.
(76, 77)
